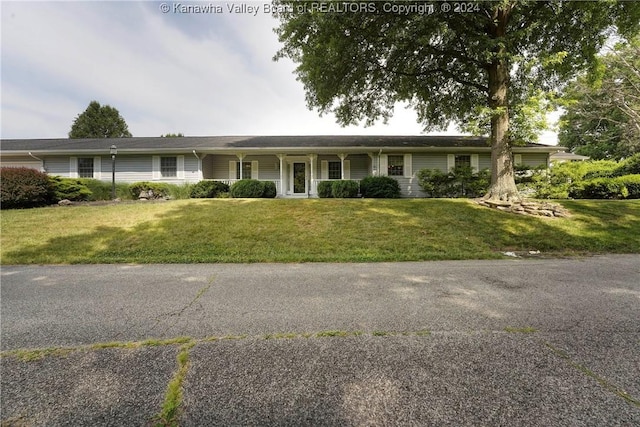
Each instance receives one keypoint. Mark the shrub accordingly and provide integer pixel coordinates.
(325, 189)
(208, 189)
(101, 190)
(24, 188)
(381, 187)
(600, 188)
(247, 188)
(632, 184)
(70, 189)
(159, 189)
(461, 182)
(270, 190)
(345, 189)
(630, 166)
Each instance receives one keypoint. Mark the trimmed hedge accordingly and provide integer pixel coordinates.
(208, 189)
(252, 189)
(461, 182)
(325, 189)
(25, 188)
(632, 184)
(380, 187)
(600, 188)
(345, 189)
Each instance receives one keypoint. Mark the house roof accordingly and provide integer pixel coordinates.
(564, 156)
(248, 143)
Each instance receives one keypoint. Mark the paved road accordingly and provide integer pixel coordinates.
(514, 342)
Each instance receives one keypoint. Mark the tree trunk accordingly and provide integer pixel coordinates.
(503, 185)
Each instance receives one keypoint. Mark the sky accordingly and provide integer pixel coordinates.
(199, 74)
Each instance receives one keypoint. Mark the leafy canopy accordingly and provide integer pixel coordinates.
(358, 65)
(602, 118)
(99, 122)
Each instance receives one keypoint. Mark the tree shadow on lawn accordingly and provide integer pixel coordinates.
(355, 231)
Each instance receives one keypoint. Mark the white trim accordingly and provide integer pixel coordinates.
(324, 169)
(233, 173)
(180, 167)
(97, 167)
(407, 167)
(384, 165)
(451, 162)
(346, 169)
(254, 169)
(73, 167)
(155, 167)
(474, 163)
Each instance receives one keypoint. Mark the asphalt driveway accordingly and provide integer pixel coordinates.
(514, 342)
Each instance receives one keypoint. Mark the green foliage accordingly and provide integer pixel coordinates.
(345, 189)
(270, 190)
(208, 189)
(159, 189)
(602, 108)
(381, 187)
(70, 189)
(247, 188)
(325, 189)
(24, 188)
(600, 188)
(632, 184)
(101, 190)
(630, 166)
(99, 122)
(461, 182)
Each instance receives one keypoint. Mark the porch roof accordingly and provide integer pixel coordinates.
(249, 143)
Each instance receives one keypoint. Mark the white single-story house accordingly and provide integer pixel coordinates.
(296, 164)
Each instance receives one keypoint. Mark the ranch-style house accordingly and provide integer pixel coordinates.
(296, 164)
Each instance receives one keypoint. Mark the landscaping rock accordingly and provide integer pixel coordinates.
(65, 202)
(527, 207)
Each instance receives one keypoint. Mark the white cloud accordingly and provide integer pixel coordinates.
(199, 74)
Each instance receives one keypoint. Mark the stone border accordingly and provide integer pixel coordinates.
(527, 207)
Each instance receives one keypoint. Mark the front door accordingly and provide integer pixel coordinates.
(299, 178)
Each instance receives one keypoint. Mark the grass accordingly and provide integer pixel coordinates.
(320, 230)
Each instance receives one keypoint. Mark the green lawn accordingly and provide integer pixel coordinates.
(275, 230)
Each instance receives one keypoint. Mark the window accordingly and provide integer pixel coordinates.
(246, 170)
(85, 167)
(335, 170)
(396, 166)
(463, 161)
(168, 167)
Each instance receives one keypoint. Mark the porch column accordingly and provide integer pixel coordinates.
(240, 157)
(313, 190)
(282, 157)
(342, 157)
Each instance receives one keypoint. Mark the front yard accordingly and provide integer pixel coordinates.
(317, 230)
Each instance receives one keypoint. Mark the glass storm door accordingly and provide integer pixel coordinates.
(299, 178)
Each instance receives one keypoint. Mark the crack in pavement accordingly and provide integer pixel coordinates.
(175, 314)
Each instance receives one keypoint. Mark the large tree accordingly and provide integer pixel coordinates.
(99, 122)
(602, 108)
(487, 63)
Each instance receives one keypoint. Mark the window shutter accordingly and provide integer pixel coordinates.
(155, 163)
(474, 163)
(347, 169)
(73, 167)
(517, 159)
(254, 169)
(451, 162)
(180, 167)
(384, 165)
(233, 174)
(97, 167)
(324, 169)
(407, 167)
